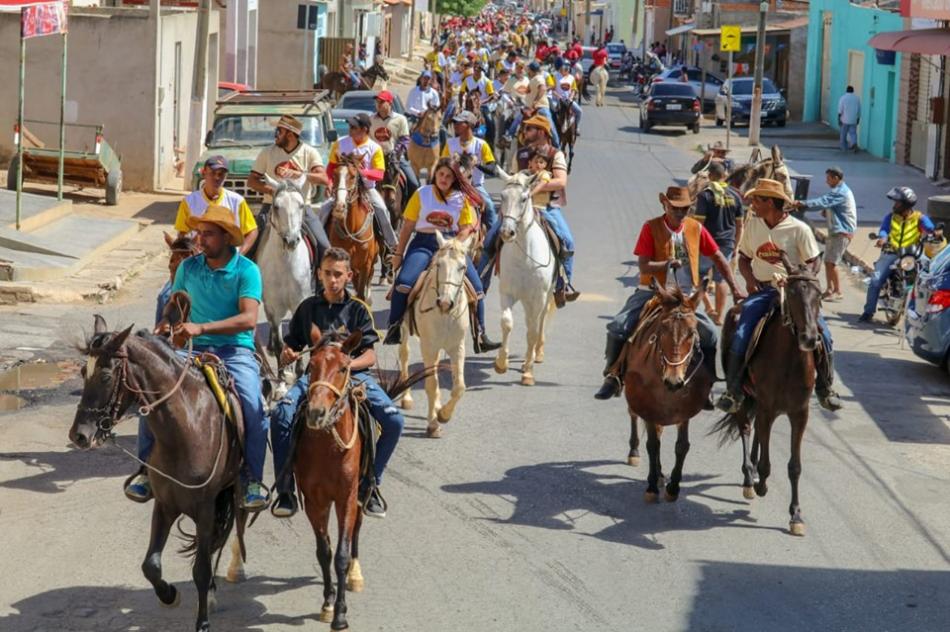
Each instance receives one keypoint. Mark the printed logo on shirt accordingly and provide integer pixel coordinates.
(287, 169)
(769, 252)
(382, 134)
(440, 219)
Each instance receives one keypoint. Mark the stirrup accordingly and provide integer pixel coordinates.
(729, 403)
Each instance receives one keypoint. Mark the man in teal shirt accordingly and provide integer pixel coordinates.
(225, 291)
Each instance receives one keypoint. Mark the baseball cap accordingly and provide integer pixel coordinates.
(385, 95)
(359, 120)
(217, 162)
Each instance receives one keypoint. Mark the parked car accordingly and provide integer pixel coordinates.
(670, 103)
(244, 123)
(927, 318)
(365, 101)
(695, 77)
(774, 105)
(587, 58)
(615, 53)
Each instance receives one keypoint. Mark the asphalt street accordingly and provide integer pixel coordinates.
(525, 515)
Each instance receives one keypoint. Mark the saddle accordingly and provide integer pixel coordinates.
(470, 294)
(650, 311)
(223, 387)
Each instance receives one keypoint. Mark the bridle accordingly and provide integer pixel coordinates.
(459, 287)
(695, 351)
(343, 396)
(352, 196)
(787, 319)
(519, 219)
(272, 222)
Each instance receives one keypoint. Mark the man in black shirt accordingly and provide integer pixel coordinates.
(331, 309)
(719, 208)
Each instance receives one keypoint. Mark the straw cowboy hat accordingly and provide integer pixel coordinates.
(221, 217)
(677, 196)
(769, 188)
(540, 121)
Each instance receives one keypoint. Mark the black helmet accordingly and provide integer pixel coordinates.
(904, 195)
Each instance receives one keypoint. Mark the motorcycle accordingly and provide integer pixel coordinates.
(901, 277)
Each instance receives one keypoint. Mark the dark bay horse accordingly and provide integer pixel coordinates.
(351, 223)
(666, 381)
(781, 378)
(195, 463)
(567, 129)
(392, 188)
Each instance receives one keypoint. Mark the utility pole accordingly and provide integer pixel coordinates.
(755, 118)
(199, 91)
(587, 23)
(412, 27)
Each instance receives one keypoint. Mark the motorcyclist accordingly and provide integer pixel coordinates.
(904, 226)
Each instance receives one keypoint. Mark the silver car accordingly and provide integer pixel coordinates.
(694, 77)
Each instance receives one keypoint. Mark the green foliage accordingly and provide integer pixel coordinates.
(464, 8)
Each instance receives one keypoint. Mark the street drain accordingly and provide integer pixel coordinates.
(35, 376)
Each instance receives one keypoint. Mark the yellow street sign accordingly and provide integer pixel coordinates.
(730, 38)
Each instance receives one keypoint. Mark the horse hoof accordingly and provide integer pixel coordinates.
(748, 493)
(527, 380)
(633, 461)
(670, 497)
(406, 403)
(326, 614)
(796, 528)
(434, 432)
(355, 584)
(650, 497)
(761, 490)
(340, 626)
(235, 576)
(443, 417)
(176, 599)
(501, 368)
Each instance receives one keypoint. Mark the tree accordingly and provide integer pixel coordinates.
(463, 8)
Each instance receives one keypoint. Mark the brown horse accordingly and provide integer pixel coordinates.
(566, 129)
(781, 378)
(424, 144)
(195, 463)
(392, 188)
(773, 168)
(666, 381)
(351, 223)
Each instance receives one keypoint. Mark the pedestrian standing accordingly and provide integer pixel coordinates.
(842, 216)
(849, 115)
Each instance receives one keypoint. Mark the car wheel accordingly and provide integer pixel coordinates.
(113, 187)
(781, 123)
(695, 127)
(11, 173)
(720, 122)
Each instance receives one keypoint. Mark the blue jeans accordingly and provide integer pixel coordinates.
(882, 270)
(489, 124)
(753, 310)
(282, 423)
(243, 367)
(419, 254)
(412, 181)
(622, 325)
(849, 135)
(355, 79)
(555, 218)
(516, 123)
(490, 216)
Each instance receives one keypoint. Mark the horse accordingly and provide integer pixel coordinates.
(504, 114)
(567, 129)
(441, 317)
(599, 77)
(351, 223)
(336, 82)
(773, 168)
(195, 463)
(284, 258)
(424, 142)
(392, 188)
(666, 382)
(528, 270)
(778, 387)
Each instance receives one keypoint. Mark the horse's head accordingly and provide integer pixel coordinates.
(429, 121)
(516, 211)
(450, 263)
(329, 375)
(801, 305)
(287, 209)
(773, 168)
(105, 397)
(677, 338)
(347, 175)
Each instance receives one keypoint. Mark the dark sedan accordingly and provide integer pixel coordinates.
(774, 106)
(670, 104)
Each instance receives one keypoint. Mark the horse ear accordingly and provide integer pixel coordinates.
(115, 343)
(786, 262)
(467, 243)
(694, 299)
(315, 335)
(660, 290)
(776, 155)
(352, 341)
(169, 239)
(300, 182)
(501, 174)
(439, 238)
(99, 324)
(271, 182)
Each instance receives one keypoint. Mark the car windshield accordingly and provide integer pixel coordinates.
(257, 131)
(672, 89)
(365, 102)
(587, 53)
(745, 87)
(616, 49)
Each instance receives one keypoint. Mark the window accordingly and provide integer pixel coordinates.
(666, 89)
(307, 16)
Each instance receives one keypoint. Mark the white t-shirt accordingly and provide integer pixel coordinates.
(563, 85)
(420, 100)
(273, 161)
(763, 245)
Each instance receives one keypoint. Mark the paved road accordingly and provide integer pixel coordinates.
(524, 517)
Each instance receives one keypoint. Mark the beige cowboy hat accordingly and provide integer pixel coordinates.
(769, 188)
(677, 196)
(291, 124)
(718, 146)
(221, 217)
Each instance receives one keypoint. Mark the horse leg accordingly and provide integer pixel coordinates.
(406, 402)
(763, 431)
(532, 317)
(236, 571)
(354, 577)
(748, 467)
(633, 456)
(346, 518)
(799, 420)
(274, 342)
(162, 521)
(507, 324)
(319, 520)
(457, 359)
(653, 452)
(545, 317)
(430, 357)
(682, 447)
(201, 570)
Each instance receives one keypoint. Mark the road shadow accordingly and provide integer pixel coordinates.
(114, 608)
(733, 596)
(559, 495)
(56, 471)
(161, 212)
(907, 418)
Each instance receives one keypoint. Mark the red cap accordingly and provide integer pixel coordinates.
(385, 95)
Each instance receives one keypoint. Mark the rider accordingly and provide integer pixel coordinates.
(672, 242)
(479, 83)
(442, 206)
(329, 310)
(566, 91)
(346, 66)
(289, 157)
(391, 130)
(717, 152)
(423, 96)
(212, 193)
(372, 170)
(903, 226)
(465, 142)
(768, 232)
(225, 292)
(536, 101)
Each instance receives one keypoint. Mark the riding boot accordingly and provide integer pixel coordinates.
(613, 382)
(827, 397)
(709, 361)
(731, 400)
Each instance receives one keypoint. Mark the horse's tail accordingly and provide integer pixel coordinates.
(395, 387)
(732, 425)
(224, 511)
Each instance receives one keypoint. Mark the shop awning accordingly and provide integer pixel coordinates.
(922, 41)
(776, 27)
(682, 28)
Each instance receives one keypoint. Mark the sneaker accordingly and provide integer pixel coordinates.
(285, 506)
(729, 403)
(393, 334)
(866, 318)
(375, 506)
(829, 401)
(139, 488)
(255, 497)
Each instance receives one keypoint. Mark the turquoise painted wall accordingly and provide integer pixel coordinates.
(851, 28)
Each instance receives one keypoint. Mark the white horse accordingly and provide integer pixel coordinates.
(441, 316)
(283, 257)
(528, 266)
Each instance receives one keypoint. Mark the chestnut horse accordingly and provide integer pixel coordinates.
(351, 223)
(424, 144)
(666, 381)
(781, 378)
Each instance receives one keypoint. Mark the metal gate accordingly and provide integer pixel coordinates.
(331, 50)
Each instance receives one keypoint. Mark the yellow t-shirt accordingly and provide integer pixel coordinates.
(196, 203)
(477, 148)
(543, 198)
(433, 58)
(763, 245)
(431, 212)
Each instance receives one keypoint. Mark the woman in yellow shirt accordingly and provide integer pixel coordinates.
(442, 206)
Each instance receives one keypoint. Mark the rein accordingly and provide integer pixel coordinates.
(459, 287)
(534, 220)
(694, 351)
(339, 407)
(353, 196)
